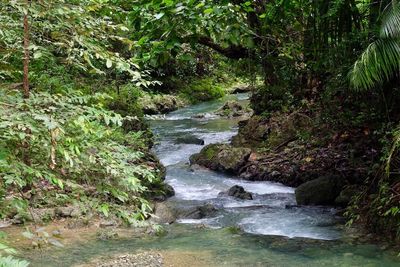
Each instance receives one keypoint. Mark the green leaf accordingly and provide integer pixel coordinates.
(105, 210)
(208, 10)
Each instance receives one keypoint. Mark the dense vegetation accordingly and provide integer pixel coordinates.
(75, 73)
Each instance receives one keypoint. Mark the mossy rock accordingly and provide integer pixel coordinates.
(233, 109)
(221, 157)
(160, 104)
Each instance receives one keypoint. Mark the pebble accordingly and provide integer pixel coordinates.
(144, 259)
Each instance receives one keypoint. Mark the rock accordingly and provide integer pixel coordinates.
(143, 259)
(168, 190)
(106, 234)
(190, 139)
(18, 219)
(199, 212)
(161, 191)
(5, 224)
(252, 132)
(221, 157)
(164, 213)
(242, 89)
(195, 167)
(66, 212)
(346, 195)
(168, 212)
(320, 191)
(203, 116)
(160, 104)
(233, 109)
(134, 124)
(239, 192)
(275, 174)
(108, 223)
(78, 223)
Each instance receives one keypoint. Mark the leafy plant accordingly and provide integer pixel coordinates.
(6, 256)
(68, 142)
(381, 60)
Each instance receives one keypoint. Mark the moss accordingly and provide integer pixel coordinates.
(160, 103)
(234, 230)
(203, 90)
(210, 152)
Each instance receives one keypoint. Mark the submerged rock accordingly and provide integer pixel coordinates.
(190, 139)
(320, 191)
(237, 191)
(221, 157)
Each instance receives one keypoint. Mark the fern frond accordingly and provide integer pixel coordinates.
(379, 63)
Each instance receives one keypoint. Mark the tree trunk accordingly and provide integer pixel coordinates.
(26, 52)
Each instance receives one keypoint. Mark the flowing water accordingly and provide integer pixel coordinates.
(273, 232)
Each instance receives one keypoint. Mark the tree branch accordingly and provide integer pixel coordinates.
(233, 52)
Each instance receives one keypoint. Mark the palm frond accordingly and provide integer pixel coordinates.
(379, 63)
(391, 23)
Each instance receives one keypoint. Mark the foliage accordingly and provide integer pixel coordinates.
(203, 90)
(7, 259)
(380, 62)
(125, 100)
(81, 34)
(60, 142)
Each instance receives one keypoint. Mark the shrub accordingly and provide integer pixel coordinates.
(68, 144)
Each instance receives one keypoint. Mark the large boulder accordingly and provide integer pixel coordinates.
(222, 157)
(320, 191)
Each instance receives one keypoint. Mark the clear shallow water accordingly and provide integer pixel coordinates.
(272, 231)
(222, 247)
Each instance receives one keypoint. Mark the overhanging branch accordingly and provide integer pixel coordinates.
(233, 52)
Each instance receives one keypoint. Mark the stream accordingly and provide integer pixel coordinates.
(266, 231)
